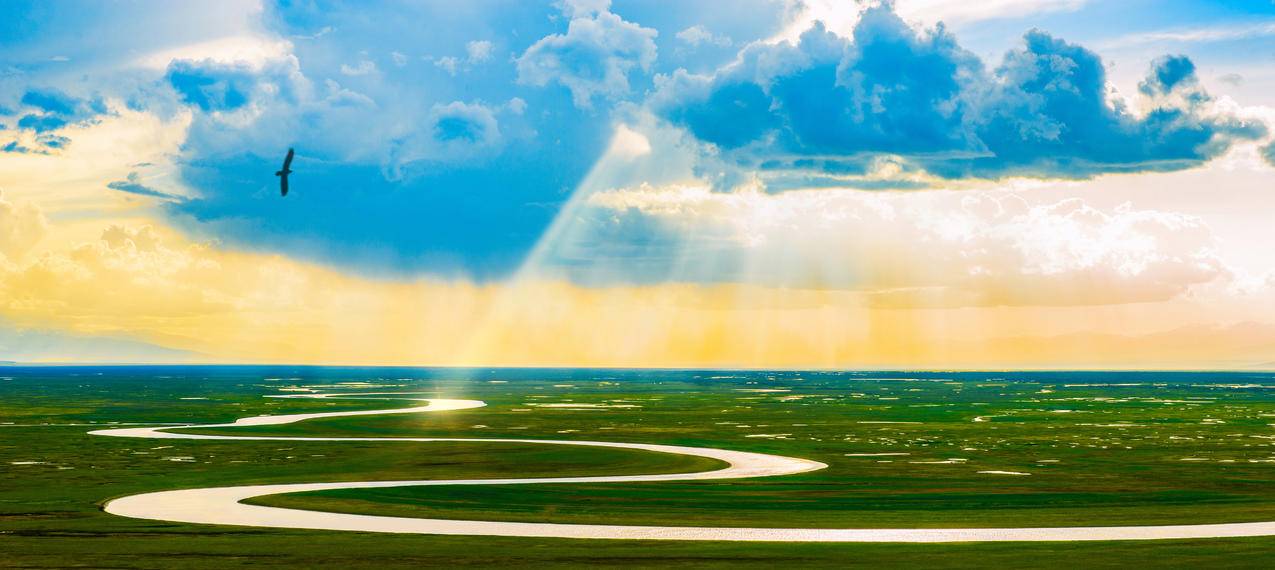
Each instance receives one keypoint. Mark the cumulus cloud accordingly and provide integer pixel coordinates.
(22, 225)
(465, 122)
(128, 273)
(830, 104)
(214, 86)
(260, 106)
(943, 248)
(457, 131)
(593, 58)
(339, 96)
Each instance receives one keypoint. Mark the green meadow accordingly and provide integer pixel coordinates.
(904, 449)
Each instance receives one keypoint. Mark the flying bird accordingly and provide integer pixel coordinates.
(283, 174)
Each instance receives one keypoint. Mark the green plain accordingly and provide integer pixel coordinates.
(1166, 448)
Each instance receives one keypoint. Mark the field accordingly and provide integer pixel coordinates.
(904, 449)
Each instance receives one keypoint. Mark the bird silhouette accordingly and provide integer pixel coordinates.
(283, 174)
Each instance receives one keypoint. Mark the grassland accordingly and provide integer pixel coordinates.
(1150, 449)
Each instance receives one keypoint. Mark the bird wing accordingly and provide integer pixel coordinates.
(283, 185)
(287, 161)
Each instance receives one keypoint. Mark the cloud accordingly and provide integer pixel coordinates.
(1049, 116)
(1205, 34)
(457, 131)
(325, 30)
(217, 87)
(594, 58)
(516, 105)
(400, 59)
(339, 96)
(128, 279)
(1169, 74)
(22, 225)
(830, 104)
(447, 63)
(1268, 153)
(133, 185)
(465, 122)
(696, 35)
(363, 67)
(479, 51)
(941, 248)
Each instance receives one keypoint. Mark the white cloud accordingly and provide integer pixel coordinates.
(400, 59)
(516, 106)
(479, 51)
(447, 63)
(698, 34)
(456, 132)
(363, 67)
(948, 248)
(339, 96)
(325, 30)
(594, 57)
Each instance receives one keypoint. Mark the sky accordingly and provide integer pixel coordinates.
(935, 184)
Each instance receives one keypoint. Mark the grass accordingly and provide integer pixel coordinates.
(1097, 455)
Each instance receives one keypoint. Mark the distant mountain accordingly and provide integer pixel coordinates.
(56, 346)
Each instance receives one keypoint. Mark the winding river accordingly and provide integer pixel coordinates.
(224, 506)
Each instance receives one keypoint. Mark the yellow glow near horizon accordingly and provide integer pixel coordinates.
(236, 307)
